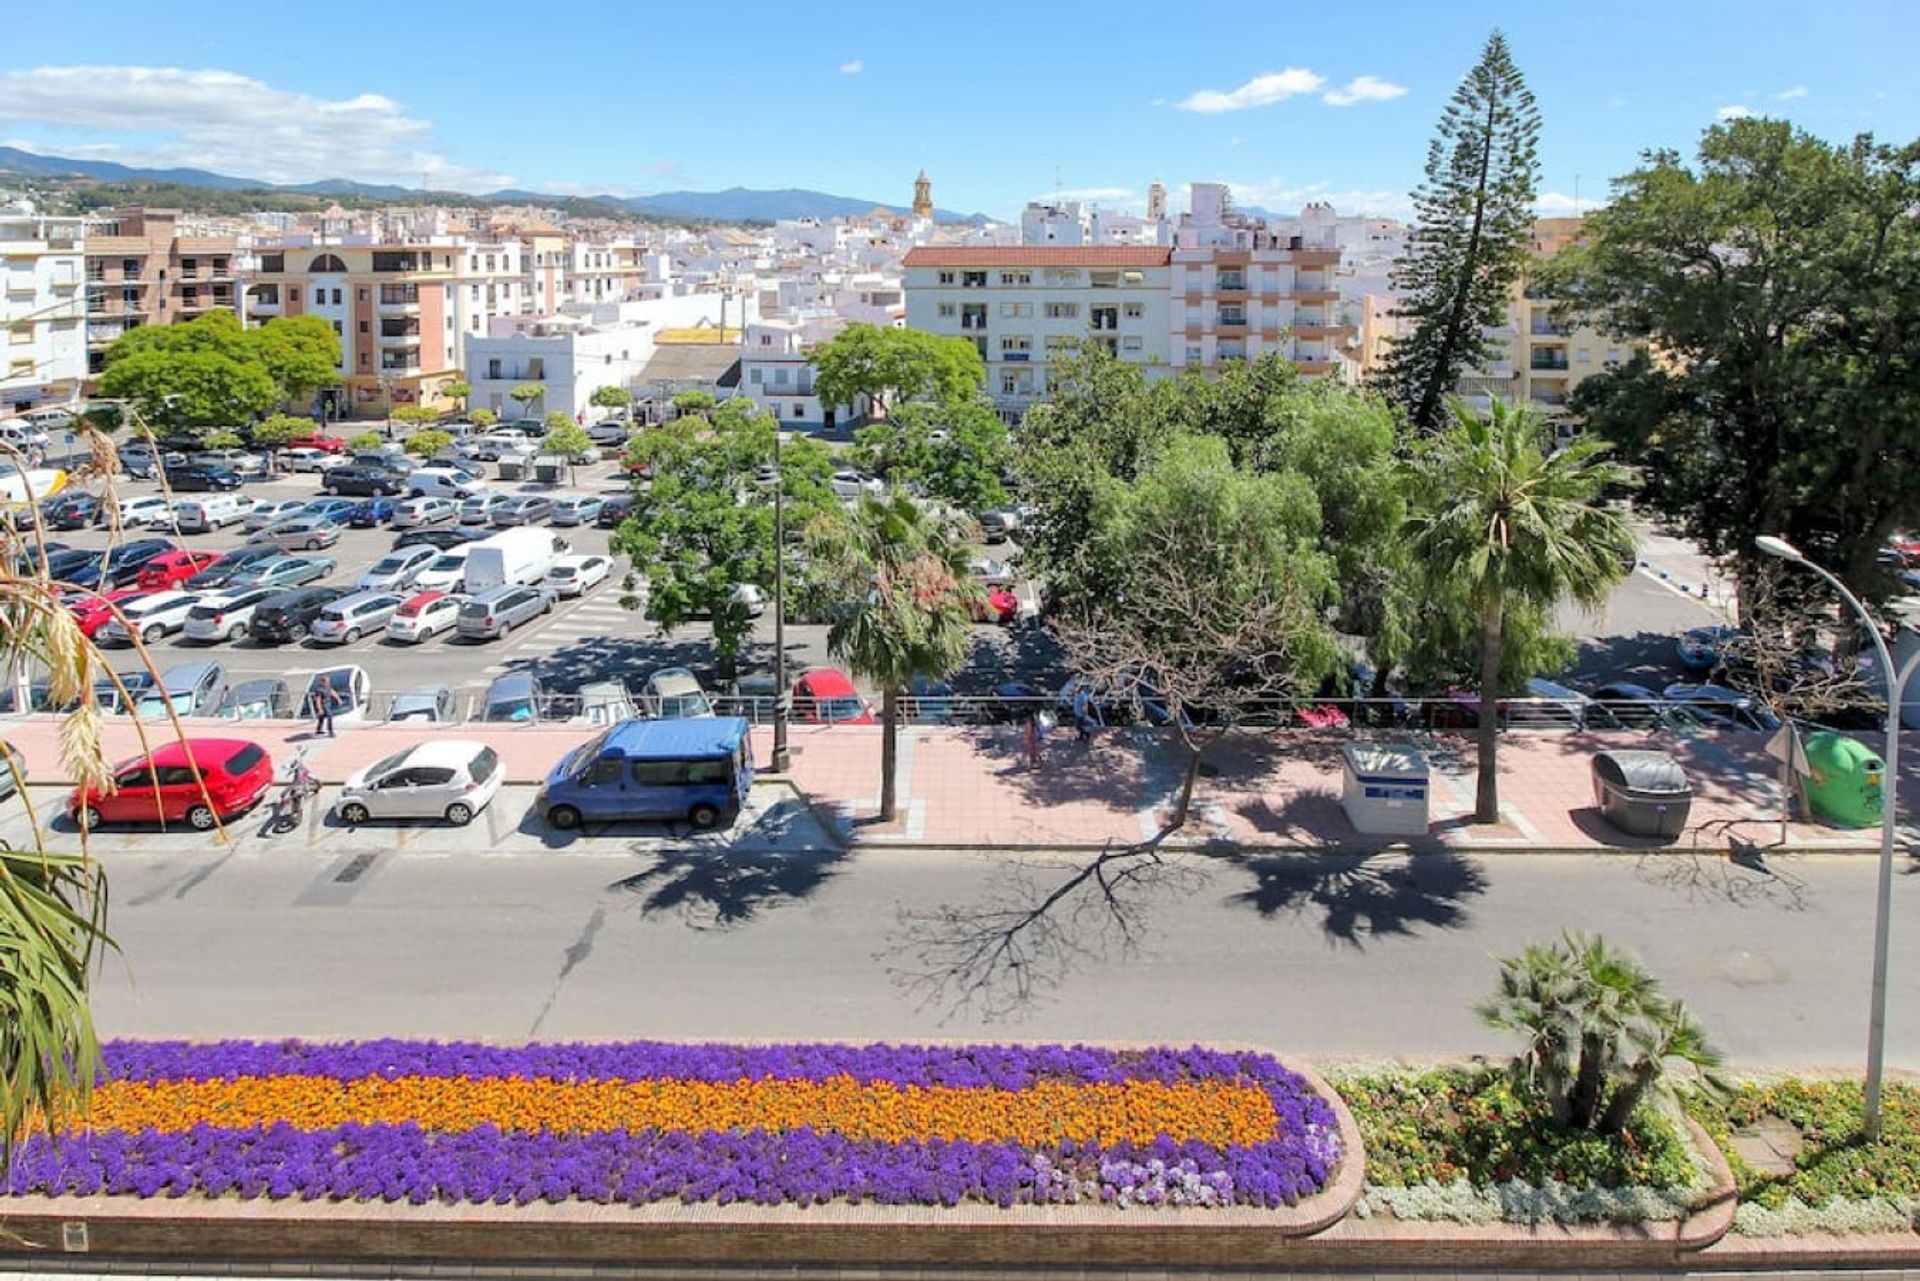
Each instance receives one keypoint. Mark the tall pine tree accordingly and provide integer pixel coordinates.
(1469, 242)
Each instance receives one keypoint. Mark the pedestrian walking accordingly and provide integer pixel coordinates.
(326, 700)
(1083, 721)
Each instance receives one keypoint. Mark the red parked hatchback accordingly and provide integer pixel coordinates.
(171, 568)
(165, 786)
(327, 444)
(824, 696)
(94, 610)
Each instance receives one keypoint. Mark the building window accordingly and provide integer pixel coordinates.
(336, 329)
(363, 326)
(973, 316)
(1133, 277)
(949, 310)
(1016, 277)
(1193, 354)
(336, 297)
(360, 294)
(753, 376)
(1016, 342)
(973, 280)
(131, 266)
(1059, 342)
(799, 409)
(1062, 276)
(1104, 317)
(293, 293)
(946, 277)
(1134, 310)
(1063, 311)
(493, 369)
(363, 360)
(1104, 279)
(1232, 315)
(1131, 343)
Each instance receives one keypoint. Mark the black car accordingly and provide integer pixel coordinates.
(71, 511)
(442, 538)
(62, 564)
(367, 482)
(285, 617)
(199, 477)
(125, 562)
(222, 571)
(615, 510)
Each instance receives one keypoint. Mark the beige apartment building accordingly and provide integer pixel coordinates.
(141, 270)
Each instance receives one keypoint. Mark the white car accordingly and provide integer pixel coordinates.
(479, 509)
(349, 681)
(989, 572)
(848, 483)
(609, 431)
(448, 778)
(170, 516)
(265, 514)
(142, 509)
(225, 616)
(578, 575)
(307, 458)
(445, 572)
(397, 569)
(417, 513)
(421, 618)
(150, 618)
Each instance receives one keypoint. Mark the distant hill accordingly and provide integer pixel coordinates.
(736, 204)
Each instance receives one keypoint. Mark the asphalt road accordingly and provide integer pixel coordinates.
(658, 938)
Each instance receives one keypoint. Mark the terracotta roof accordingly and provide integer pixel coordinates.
(1038, 256)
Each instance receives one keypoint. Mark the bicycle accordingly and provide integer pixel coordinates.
(300, 787)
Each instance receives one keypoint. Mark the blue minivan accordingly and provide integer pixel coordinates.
(698, 770)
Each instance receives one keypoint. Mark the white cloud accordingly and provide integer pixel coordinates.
(1558, 204)
(1264, 89)
(1788, 95)
(1735, 112)
(1277, 196)
(1156, 102)
(853, 67)
(1362, 89)
(1105, 195)
(220, 120)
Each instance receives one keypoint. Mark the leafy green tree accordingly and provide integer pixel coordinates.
(1470, 236)
(1496, 517)
(365, 442)
(425, 444)
(276, 430)
(693, 402)
(888, 366)
(566, 438)
(955, 450)
(610, 398)
(483, 418)
(1220, 604)
(1780, 276)
(525, 394)
(300, 353)
(904, 605)
(459, 389)
(414, 415)
(188, 388)
(103, 416)
(1601, 1037)
(700, 527)
(222, 440)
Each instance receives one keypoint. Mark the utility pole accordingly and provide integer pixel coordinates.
(782, 757)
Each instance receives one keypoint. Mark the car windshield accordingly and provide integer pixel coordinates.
(512, 709)
(840, 709)
(391, 565)
(387, 764)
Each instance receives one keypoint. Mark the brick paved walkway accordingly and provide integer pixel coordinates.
(972, 786)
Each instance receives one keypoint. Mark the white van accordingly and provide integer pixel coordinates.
(442, 482)
(209, 512)
(21, 435)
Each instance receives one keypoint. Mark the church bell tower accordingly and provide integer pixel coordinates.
(922, 196)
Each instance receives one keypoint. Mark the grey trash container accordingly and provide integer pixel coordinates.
(547, 471)
(511, 469)
(1642, 793)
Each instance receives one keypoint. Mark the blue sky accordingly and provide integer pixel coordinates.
(1000, 103)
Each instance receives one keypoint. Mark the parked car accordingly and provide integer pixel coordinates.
(480, 508)
(613, 511)
(201, 780)
(285, 617)
(300, 533)
(320, 441)
(605, 703)
(577, 509)
(988, 572)
(847, 483)
(577, 575)
(673, 693)
(122, 565)
(998, 525)
(350, 686)
(443, 538)
(190, 477)
(71, 509)
(230, 566)
(284, 572)
(346, 620)
(609, 431)
(136, 510)
(370, 512)
(190, 689)
(151, 617)
(117, 694)
(432, 703)
(523, 509)
(237, 461)
(416, 513)
(94, 610)
(1720, 706)
(266, 699)
(1703, 649)
(172, 568)
(445, 778)
(215, 511)
(424, 616)
(225, 617)
(494, 613)
(396, 569)
(451, 483)
(168, 520)
(517, 698)
(749, 598)
(1637, 707)
(305, 458)
(268, 513)
(357, 478)
(334, 509)
(824, 696)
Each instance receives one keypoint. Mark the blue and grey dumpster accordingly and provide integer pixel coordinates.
(1384, 788)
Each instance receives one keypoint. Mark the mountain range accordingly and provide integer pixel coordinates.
(736, 204)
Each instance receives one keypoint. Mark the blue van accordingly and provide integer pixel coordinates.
(699, 770)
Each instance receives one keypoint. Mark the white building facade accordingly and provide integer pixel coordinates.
(776, 373)
(575, 353)
(42, 310)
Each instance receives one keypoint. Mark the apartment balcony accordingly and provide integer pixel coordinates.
(1230, 284)
(401, 299)
(1230, 320)
(410, 366)
(1556, 363)
(402, 327)
(1552, 397)
(1546, 327)
(1323, 257)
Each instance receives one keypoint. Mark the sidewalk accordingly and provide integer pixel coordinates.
(970, 787)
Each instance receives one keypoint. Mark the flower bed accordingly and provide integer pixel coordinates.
(1838, 1183)
(1458, 1144)
(643, 1122)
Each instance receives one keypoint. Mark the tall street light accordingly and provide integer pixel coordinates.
(782, 757)
(1883, 903)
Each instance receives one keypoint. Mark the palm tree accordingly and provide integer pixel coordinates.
(901, 575)
(1509, 522)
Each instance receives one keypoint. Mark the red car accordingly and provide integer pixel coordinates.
(93, 610)
(824, 696)
(998, 606)
(325, 444)
(199, 779)
(172, 568)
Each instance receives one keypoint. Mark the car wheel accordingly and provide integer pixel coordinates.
(200, 818)
(90, 818)
(353, 814)
(151, 634)
(703, 817)
(564, 817)
(235, 632)
(459, 813)
(353, 634)
(416, 493)
(313, 545)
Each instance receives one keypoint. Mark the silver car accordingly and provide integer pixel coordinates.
(428, 703)
(225, 617)
(495, 613)
(396, 569)
(265, 514)
(351, 617)
(298, 534)
(445, 778)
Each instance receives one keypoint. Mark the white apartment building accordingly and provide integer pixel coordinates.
(575, 353)
(1020, 304)
(776, 373)
(43, 310)
(606, 270)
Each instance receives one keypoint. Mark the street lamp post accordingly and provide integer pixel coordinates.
(1883, 902)
(782, 757)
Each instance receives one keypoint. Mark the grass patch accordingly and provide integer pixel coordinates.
(1835, 1160)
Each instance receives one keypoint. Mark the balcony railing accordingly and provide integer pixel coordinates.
(1546, 327)
(1231, 283)
(1549, 363)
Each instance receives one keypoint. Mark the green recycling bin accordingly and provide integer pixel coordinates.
(1844, 779)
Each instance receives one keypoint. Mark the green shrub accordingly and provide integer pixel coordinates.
(1836, 1160)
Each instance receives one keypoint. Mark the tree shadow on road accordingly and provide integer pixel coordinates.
(722, 889)
(1363, 897)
